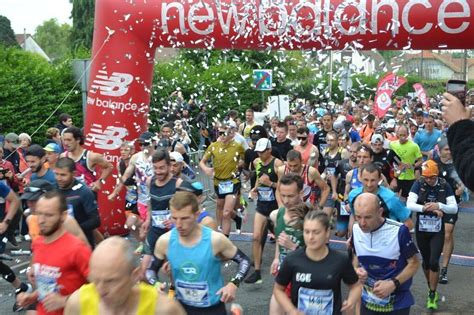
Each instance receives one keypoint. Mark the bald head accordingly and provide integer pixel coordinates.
(368, 212)
(117, 251)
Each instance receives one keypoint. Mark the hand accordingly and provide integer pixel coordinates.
(253, 194)
(431, 206)
(453, 109)
(9, 175)
(112, 196)
(144, 228)
(274, 266)
(362, 274)
(54, 301)
(227, 293)
(209, 171)
(334, 195)
(438, 213)
(265, 180)
(31, 275)
(96, 186)
(24, 299)
(348, 305)
(384, 288)
(285, 241)
(3, 227)
(166, 268)
(459, 190)
(168, 224)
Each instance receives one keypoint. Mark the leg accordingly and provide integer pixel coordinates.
(259, 224)
(219, 210)
(228, 213)
(275, 308)
(448, 243)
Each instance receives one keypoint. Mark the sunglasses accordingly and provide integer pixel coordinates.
(302, 138)
(143, 143)
(34, 189)
(222, 133)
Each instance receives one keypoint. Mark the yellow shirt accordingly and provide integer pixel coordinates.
(225, 159)
(89, 300)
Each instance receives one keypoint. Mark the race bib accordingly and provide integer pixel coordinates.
(158, 217)
(330, 171)
(322, 147)
(70, 210)
(226, 187)
(343, 211)
(429, 224)
(266, 194)
(131, 195)
(315, 302)
(193, 293)
(46, 279)
(370, 298)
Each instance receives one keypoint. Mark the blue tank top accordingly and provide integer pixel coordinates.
(159, 199)
(355, 182)
(196, 271)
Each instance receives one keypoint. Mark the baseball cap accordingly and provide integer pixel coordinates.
(52, 147)
(193, 187)
(13, 138)
(230, 124)
(262, 145)
(391, 123)
(177, 157)
(36, 189)
(146, 137)
(377, 138)
(429, 168)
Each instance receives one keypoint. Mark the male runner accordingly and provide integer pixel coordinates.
(199, 283)
(309, 152)
(227, 157)
(114, 290)
(385, 259)
(319, 139)
(59, 265)
(36, 158)
(86, 161)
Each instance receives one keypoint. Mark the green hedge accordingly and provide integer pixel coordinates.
(31, 89)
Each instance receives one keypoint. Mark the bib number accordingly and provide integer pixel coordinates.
(429, 224)
(226, 187)
(370, 298)
(70, 210)
(343, 210)
(193, 293)
(315, 302)
(330, 171)
(158, 217)
(265, 194)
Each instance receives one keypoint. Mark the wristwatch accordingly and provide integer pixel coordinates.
(396, 282)
(235, 281)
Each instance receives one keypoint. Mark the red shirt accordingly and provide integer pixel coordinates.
(61, 266)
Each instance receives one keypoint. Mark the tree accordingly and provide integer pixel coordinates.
(82, 23)
(54, 38)
(7, 36)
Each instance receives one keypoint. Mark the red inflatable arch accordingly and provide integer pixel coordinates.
(127, 33)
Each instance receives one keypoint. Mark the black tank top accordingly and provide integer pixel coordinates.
(268, 169)
(122, 167)
(160, 195)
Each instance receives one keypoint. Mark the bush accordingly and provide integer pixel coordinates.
(30, 91)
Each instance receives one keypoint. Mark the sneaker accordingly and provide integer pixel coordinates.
(238, 223)
(254, 278)
(432, 301)
(443, 276)
(24, 287)
(236, 309)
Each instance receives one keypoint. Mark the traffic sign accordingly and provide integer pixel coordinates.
(262, 79)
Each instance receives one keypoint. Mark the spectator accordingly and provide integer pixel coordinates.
(10, 146)
(65, 121)
(52, 154)
(36, 159)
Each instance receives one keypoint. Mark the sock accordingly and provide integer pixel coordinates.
(238, 222)
(257, 271)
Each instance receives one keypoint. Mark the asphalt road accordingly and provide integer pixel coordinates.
(456, 295)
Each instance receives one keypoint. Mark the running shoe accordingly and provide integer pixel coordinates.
(254, 278)
(432, 300)
(238, 223)
(443, 276)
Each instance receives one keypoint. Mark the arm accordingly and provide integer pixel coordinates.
(284, 300)
(90, 207)
(14, 205)
(106, 167)
(316, 177)
(347, 189)
(209, 171)
(168, 306)
(73, 304)
(411, 202)
(71, 225)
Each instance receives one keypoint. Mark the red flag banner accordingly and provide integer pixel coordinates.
(421, 94)
(385, 89)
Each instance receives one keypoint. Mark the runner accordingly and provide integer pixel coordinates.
(312, 180)
(320, 137)
(430, 197)
(59, 265)
(81, 201)
(162, 186)
(309, 152)
(386, 258)
(86, 160)
(227, 156)
(281, 143)
(315, 273)
(199, 283)
(197, 189)
(410, 159)
(448, 173)
(265, 192)
(114, 270)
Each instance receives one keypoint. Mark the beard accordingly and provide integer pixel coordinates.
(52, 230)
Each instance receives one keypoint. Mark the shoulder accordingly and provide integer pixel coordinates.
(73, 305)
(167, 306)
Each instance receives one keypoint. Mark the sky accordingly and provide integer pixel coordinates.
(31, 13)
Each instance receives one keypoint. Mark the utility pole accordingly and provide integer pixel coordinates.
(421, 66)
(330, 74)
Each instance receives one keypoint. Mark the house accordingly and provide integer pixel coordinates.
(27, 43)
(436, 66)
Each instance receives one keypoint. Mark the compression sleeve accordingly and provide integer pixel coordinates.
(244, 265)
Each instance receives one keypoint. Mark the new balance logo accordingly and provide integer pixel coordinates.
(114, 85)
(110, 138)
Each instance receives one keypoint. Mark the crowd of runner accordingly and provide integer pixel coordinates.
(386, 185)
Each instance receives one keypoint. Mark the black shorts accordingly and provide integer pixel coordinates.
(235, 191)
(450, 218)
(218, 309)
(266, 207)
(152, 236)
(404, 186)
